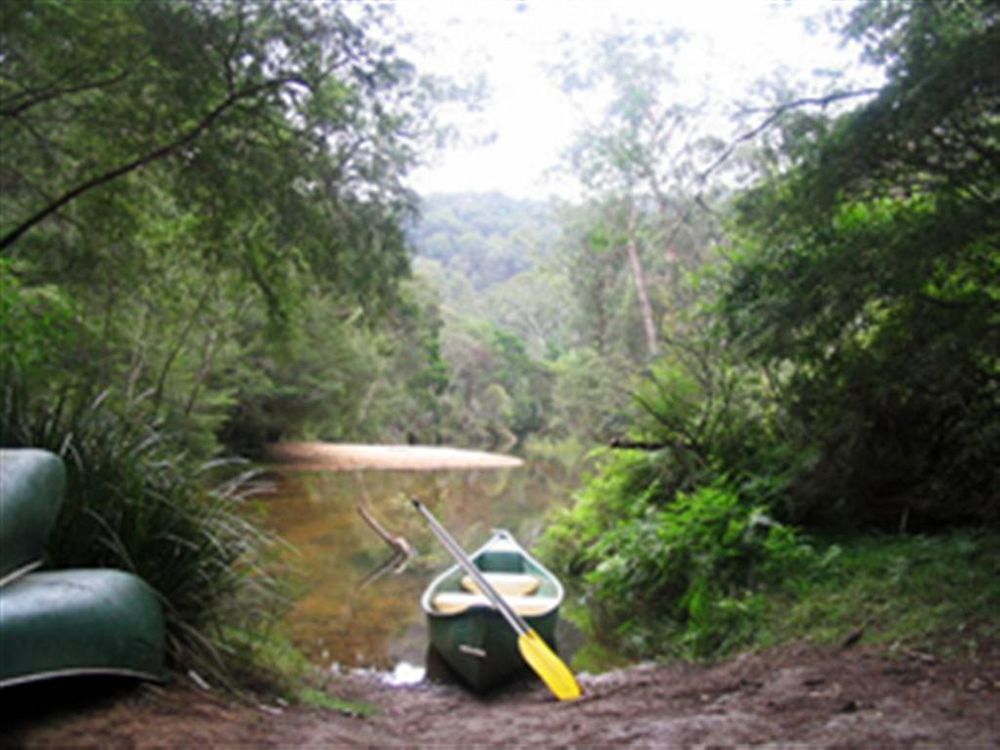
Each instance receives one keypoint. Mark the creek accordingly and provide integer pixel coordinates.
(347, 615)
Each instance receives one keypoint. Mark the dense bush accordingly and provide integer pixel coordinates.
(868, 273)
(689, 570)
(848, 380)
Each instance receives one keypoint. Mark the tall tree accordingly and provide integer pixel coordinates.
(634, 158)
(867, 275)
(200, 178)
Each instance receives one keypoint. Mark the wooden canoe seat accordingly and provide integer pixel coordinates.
(453, 602)
(507, 584)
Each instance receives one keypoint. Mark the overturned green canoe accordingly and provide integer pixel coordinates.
(469, 634)
(87, 621)
(32, 485)
(64, 622)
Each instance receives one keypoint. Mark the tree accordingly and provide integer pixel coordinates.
(867, 275)
(633, 160)
(635, 163)
(198, 177)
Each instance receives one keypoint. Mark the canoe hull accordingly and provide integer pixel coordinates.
(32, 484)
(478, 644)
(84, 621)
(482, 648)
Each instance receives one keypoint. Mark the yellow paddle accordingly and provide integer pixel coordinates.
(534, 650)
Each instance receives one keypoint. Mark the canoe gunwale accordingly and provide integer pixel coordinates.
(81, 672)
(19, 572)
(507, 539)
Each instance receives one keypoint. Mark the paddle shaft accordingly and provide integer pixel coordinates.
(515, 620)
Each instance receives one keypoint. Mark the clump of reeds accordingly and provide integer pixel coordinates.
(135, 501)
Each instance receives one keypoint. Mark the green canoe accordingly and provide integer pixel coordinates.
(86, 621)
(32, 485)
(64, 622)
(469, 634)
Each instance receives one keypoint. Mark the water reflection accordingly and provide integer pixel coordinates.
(341, 618)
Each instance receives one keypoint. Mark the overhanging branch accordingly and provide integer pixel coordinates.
(141, 161)
(776, 114)
(38, 97)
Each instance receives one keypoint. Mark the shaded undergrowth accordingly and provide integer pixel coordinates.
(931, 594)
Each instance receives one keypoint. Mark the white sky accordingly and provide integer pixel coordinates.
(733, 43)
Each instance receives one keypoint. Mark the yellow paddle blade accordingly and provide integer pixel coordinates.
(553, 671)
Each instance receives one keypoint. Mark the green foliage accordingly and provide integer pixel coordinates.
(868, 274)
(590, 397)
(678, 530)
(847, 377)
(931, 593)
(217, 188)
(496, 394)
(690, 570)
(404, 384)
(487, 238)
(136, 503)
(37, 328)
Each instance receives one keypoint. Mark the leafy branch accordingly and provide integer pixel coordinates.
(168, 149)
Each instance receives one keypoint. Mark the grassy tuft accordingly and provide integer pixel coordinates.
(321, 699)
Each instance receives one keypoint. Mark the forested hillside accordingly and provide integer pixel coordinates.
(542, 329)
(486, 237)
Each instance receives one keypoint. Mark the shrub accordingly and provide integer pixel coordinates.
(694, 566)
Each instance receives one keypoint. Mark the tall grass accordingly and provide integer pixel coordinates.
(136, 502)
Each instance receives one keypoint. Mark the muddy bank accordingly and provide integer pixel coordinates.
(858, 698)
(317, 456)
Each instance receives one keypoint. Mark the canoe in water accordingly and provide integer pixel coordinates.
(469, 634)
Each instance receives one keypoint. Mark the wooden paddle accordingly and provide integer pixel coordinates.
(534, 650)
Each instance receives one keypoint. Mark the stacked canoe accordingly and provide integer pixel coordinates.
(64, 622)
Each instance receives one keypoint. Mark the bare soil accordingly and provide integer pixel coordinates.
(792, 696)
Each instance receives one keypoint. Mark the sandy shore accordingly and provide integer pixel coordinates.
(317, 456)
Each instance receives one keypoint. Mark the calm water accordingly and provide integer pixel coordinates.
(339, 619)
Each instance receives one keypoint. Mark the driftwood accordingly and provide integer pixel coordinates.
(399, 545)
(402, 550)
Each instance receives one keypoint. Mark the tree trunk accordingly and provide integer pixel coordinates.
(645, 309)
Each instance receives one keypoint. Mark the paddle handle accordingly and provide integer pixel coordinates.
(515, 620)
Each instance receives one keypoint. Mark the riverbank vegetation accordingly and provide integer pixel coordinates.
(202, 250)
(775, 356)
(841, 378)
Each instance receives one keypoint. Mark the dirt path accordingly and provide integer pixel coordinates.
(792, 696)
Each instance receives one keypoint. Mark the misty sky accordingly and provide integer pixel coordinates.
(731, 44)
